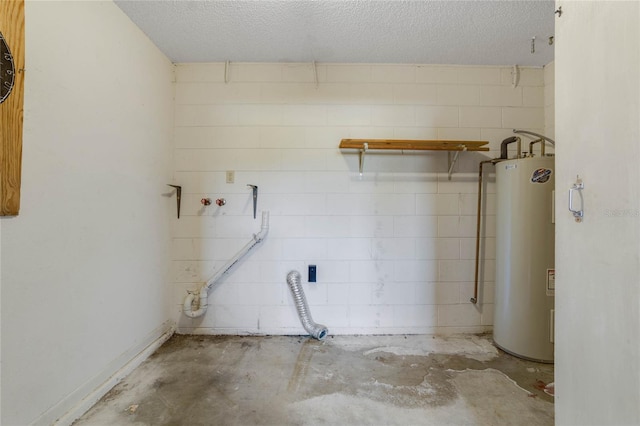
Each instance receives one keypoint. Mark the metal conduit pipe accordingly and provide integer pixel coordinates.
(199, 308)
(317, 331)
(532, 143)
(474, 299)
(526, 132)
(503, 147)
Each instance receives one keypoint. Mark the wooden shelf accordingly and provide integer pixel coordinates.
(414, 145)
(364, 145)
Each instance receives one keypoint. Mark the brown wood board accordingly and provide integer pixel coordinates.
(11, 110)
(415, 145)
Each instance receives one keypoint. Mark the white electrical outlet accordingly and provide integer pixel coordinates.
(231, 176)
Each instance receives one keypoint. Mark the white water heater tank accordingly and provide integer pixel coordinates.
(525, 274)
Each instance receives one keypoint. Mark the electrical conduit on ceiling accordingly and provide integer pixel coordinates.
(193, 307)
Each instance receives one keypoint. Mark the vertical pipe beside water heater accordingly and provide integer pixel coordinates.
(524, 298)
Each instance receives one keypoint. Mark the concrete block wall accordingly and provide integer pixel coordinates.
(395, 247)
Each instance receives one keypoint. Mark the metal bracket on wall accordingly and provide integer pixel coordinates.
(255, 198)
(178, 196)
(315, 73)
(451, 160)
(364, 149)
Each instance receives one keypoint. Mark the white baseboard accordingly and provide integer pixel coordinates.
(91, 392)
(336, 331)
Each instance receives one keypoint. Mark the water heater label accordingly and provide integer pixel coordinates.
(551, 282)
(541, 175)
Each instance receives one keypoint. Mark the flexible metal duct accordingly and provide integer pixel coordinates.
(317, 331)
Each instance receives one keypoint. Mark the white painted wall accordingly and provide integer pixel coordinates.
(395, 248)
(85, 264)
(549, 100)
(598, 263)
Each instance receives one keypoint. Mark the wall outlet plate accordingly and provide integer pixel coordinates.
(231, 176)
(312, 273)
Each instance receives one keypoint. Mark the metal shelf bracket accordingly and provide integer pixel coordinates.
(452, 160)
(364, 149)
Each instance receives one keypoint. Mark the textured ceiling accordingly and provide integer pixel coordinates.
(476, 32)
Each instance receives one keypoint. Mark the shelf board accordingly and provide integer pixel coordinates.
(364, 145)
(414, 145)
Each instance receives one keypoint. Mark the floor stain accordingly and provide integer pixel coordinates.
(256, 380)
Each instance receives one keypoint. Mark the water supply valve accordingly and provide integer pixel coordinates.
(221, 202)
(205, 201)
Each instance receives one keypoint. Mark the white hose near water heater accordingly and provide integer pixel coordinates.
(193, 307)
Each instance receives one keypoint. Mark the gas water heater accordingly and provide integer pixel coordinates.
(525, 274)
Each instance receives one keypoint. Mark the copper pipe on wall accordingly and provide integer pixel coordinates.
(474, 299)
(526, 132)
(532, 143)
(503, 147)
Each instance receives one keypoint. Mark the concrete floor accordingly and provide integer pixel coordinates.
(344, 380)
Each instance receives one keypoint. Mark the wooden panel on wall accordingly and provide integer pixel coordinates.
(11, 110)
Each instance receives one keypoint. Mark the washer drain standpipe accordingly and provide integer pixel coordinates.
(201, 302)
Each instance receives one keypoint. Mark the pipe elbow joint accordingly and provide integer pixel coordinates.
(264, 228)
(187, 307)
(503, 146)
